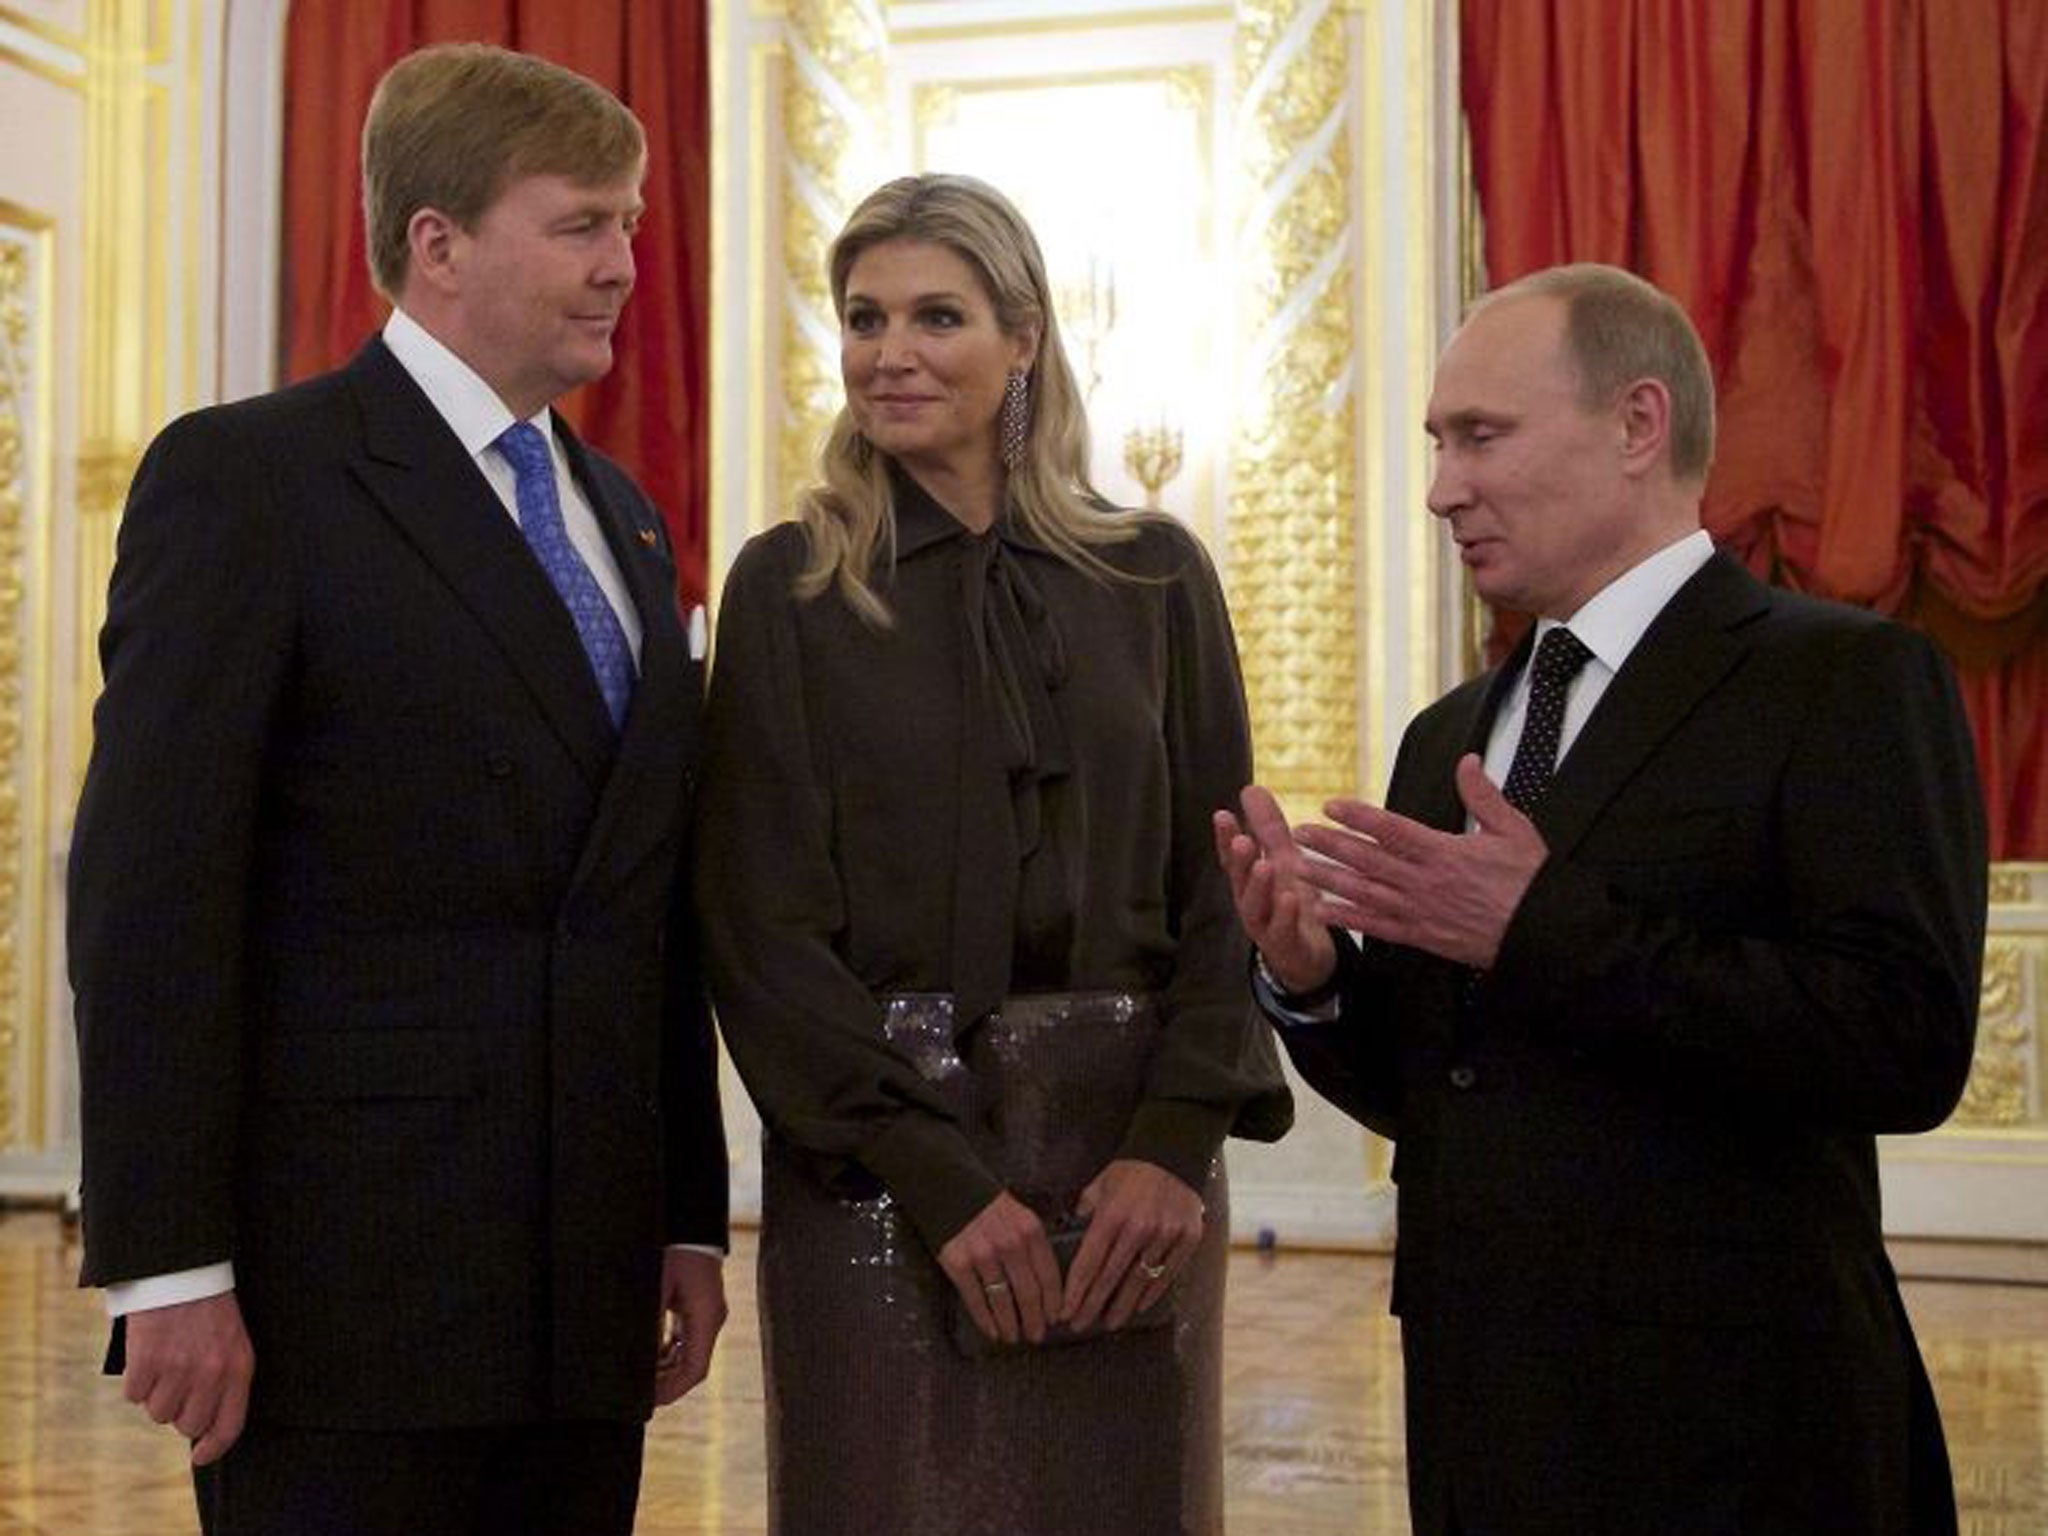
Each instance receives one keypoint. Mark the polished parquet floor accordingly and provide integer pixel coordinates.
(1312, 1407)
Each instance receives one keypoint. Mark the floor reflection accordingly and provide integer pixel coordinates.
(1312, 1403)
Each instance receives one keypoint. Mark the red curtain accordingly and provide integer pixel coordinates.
(652, 411)
(1851, 200)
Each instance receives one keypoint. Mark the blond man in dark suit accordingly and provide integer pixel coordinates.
(402, 1143)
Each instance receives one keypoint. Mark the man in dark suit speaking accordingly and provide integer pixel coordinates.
(1634, 1017)
(401, 1118)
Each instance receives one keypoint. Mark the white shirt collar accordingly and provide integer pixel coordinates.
(1611, 621)
(471, 408)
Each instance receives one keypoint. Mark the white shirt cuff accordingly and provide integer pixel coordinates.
(705, 1248)
(125, 1296)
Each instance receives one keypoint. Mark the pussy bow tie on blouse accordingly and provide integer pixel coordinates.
(1014, 748)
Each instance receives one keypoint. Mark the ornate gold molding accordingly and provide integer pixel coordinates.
(832, 83)
(935, 104)
(2012, 885)
(2007, 1090)
(2000, 1090)
(35, 26)
(26, 253)
(121, 400)
(908, 26)
(1292, 565)
(16, 286)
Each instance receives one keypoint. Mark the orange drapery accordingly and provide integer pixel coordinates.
(1851, 200)
(652, 411)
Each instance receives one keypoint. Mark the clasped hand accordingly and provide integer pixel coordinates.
(1143, 1226)
(1378, 873)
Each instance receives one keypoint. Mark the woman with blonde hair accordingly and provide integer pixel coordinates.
(970, 947)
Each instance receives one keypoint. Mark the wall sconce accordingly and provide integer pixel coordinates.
(1153, 456)
(1087, 313)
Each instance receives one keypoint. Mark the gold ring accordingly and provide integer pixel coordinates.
(1151, 1271)
(991, 1287)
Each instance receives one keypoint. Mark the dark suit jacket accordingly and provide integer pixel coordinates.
(1640, 1273)
(385, 989)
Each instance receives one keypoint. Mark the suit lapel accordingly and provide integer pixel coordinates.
(1686, 652)
(1437, 803)
(655, 727)
(634, 542)
(419, 475)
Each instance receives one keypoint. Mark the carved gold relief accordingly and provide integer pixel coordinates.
(831, 122)
(2000, 1091)
(2012, 885)
(1290, 530)
(19, 281)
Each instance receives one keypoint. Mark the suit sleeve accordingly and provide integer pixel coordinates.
(196, 652)
(804, 1031)
(1851, 1001)
(696, 1183)
(1215, 1069)
(1349, 1058)
(696, 1179)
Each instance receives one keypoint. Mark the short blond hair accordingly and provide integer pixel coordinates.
(1619, 329)
(450, 127)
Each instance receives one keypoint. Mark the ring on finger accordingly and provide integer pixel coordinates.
(1151, 1271)
(994, 1287)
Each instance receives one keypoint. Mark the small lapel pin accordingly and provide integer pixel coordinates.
(647, 537)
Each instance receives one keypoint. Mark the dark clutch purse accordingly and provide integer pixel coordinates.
(1066, 1242)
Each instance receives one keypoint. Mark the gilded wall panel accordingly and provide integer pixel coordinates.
(831, 127)
(25, 278)
(2006, 1090)
(1292, 513)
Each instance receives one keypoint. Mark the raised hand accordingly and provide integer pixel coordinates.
(1450, 894)
(1276, 901)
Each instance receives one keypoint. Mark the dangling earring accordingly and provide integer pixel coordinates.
(1013, 421)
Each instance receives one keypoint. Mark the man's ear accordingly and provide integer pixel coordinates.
(1644, 416)
(435, 242)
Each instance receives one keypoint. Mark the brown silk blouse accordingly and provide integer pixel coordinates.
(1009, 790)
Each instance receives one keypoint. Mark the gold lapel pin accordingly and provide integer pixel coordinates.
(647, 537)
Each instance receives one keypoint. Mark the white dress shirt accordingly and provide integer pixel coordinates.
(1609, 624)
(477, 417)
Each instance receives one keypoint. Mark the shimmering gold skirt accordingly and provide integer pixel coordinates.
(877, 1423)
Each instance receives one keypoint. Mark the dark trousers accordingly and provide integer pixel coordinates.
(527, 1480)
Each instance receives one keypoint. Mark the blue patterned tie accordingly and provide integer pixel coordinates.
(1558, 660)
(540, 519)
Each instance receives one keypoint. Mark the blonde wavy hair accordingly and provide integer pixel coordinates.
(850, 518)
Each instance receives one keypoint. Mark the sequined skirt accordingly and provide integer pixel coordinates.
(878, 1423)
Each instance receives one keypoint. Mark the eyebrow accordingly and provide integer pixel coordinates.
(595, 210)
(943, 295)
(1465, 420)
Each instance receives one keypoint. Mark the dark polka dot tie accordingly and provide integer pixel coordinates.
(1557, 662)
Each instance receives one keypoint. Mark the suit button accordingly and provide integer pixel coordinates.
(499, 765)
(1463, 1078)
